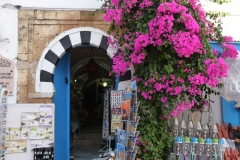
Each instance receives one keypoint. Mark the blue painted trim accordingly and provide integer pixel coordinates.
(62, 109)
(116, 83)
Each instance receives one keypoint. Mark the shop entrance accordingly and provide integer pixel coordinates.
(61, 69)
(90, 68)
(80, 78)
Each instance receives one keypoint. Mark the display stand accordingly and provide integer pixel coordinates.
(3, 113)
(120, 121)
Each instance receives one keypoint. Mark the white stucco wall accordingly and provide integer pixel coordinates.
(9, 30)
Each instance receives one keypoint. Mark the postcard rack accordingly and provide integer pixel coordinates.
(43, 153)
(120, 122)
(3, 113)
(127, 136)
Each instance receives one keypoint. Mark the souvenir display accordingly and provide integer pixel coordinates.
(36, 126)
(3, 114)
(124, 120)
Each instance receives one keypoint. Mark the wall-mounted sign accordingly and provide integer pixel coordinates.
(7, 74)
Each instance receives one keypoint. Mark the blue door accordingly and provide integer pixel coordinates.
(62, 109)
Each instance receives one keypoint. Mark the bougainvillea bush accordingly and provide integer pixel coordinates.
(168, 43)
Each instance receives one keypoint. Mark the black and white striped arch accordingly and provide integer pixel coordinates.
(58, 47)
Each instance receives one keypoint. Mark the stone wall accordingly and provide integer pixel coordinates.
(36, 29)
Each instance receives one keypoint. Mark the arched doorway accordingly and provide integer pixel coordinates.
(53, 75)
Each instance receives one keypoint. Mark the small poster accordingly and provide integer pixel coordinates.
(133, 114)
(116, 109)
(3, 114)
(41, 133)
(4, 107)
(16, 146)
(132, 126)
(17, 133)
(46, 112)
(116, 98)
(121, 152)
(122, 138)
(41, 143)
(3, 123)
(116, 115)
(3, 145)
(30, 119)
(131, 144)
(125, 110)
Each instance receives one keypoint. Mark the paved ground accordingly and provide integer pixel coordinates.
(85, 152)
(88, 152)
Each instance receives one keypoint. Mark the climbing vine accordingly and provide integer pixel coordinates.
(176, 69)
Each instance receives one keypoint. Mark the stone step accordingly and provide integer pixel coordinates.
(90, 136)
(87, 142)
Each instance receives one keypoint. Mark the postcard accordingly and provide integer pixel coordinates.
(17, 133)
(133, 114)
(121, 152)
(105, 133)
(16, 146)
(45, 122)
(41, 133)
(2, 137)
(41, 143)
(131, 144)
(4, 99)
(115, 126)
(46, 111)
(131, 129)
(134, 99)
(2, 130)
(122, 138)
(115, 98)
(30, 119)
(4, 106)
(3, 145)
(3, 122)
(125, 110)
(3, 114)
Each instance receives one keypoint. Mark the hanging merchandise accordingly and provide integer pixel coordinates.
(231, 84)
(105, 129)
(123, 122)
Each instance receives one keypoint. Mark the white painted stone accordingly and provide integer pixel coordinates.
(111, 51)
(75, 39)
(58, 49)
(47, 87)
(95, 39)
(48, 66)
(38, 87)
(37, 76)
(41, 95)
